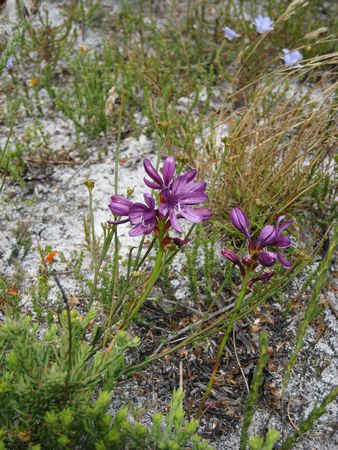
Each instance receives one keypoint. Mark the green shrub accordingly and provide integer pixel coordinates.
(56, 389)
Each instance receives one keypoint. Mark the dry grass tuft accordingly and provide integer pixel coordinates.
(280, 142)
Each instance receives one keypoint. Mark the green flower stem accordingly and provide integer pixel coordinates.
(149, 285)
(92, 226)
(118, 143)
(220, 350)
(107, 239)
(114, 304)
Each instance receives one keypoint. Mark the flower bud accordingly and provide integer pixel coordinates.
(240, 221)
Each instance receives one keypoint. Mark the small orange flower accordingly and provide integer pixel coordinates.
(33, 82)
(13, 290)
(50, 258)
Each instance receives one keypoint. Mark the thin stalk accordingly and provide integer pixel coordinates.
(139, 263)
(92, 227)
(238, 305)
(114, 305)
(150, 284)
(118, 143)
(108, 236)
(311, 309)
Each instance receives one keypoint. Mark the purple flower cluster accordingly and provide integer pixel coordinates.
(177, 198)
(265, 250)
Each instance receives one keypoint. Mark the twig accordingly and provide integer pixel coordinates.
(289, 416)
(181, 375)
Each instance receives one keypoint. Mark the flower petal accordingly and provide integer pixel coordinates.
(120, 205)
(196, 215)
(163, 210)
(267, 259)
(266, 276)
(117, 222)
(137, 230)
(231, 256)
(284, 226)
(152, 172)
(282, 242)
(174, 221)
(240, 221)
(150, 201)
(140, 213)
(193, 198)
(168, 170)
(151, 184)
(285, 263)
(266, 237)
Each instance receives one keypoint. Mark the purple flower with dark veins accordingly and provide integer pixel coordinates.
(120, 206)
(157, 181)
(176, 202)
(266, 258)
(142, 217)
(176, 198)
(266, 237)
(282, 242)
(240, 221)
(270, 236)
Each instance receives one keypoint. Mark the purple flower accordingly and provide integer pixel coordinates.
(142, 217)
(267, 259)
(10, 63)
(282, 242)
(240, 221)
(292, 57)
(120, 206)
(230, 34)
(266, 237)
(177, 196)
(270, 236)
(176, 201)
(263, 24)
(159, 182)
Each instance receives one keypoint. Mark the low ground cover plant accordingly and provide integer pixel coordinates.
(232, 214)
